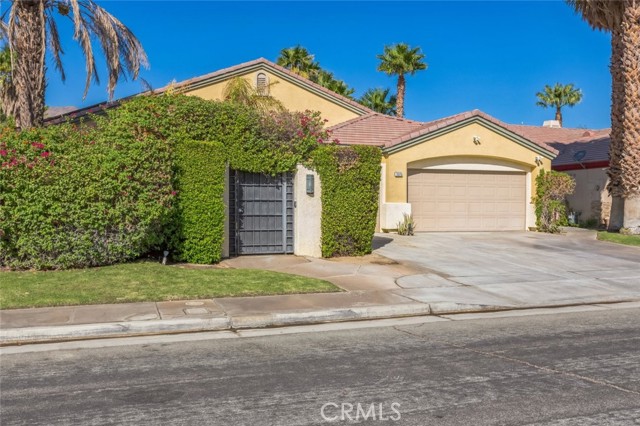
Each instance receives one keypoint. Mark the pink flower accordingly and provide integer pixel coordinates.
(174, 192)
(45, 154)
(3, 153)
(37, 145)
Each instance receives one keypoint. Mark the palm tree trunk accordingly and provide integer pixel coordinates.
(28, 74)
(559, 115)
(624, 150)
(400, 96)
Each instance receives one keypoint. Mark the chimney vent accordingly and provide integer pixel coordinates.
(551, 123)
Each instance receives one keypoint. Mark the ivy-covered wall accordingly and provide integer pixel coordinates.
(197, 232)
(350, 179)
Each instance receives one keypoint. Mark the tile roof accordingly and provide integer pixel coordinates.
(216, 76)
(457, 118)
(372, 129)
(382, 130)
(569, 141)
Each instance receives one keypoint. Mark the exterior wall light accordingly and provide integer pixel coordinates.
(476, 140)
(310, 184)
(538, 160)
(397, 174)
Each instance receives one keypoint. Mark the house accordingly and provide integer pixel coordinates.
(467, 172)
(583, 154)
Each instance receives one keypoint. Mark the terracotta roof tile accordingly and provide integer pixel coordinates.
(372, 129)
(448, 121)
(570, 141)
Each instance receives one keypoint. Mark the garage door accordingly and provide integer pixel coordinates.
(467, 200)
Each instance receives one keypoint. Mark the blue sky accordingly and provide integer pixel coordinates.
(493, 56)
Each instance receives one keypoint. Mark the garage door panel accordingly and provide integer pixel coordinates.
(467, 200)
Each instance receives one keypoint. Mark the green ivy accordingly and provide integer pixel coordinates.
(72, 198)
(350, 179)
(198, 225)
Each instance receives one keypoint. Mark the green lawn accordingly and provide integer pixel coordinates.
(630, 240)
(145, 281)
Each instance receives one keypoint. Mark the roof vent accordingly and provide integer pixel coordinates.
(551, 123)
(588, 133)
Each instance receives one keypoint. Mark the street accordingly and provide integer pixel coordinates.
(579, 368)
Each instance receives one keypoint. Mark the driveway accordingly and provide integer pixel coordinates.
(513, 268)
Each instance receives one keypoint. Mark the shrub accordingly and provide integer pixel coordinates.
(406, 226)
(551, 189)
(197, 233)
(71, 198)
(350, 179)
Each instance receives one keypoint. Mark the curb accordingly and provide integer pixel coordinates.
(31, 335)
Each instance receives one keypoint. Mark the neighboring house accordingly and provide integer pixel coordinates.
(467, 172)
(584, 154)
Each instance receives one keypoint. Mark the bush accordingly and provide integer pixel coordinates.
(551, 189)
(406, 226)
(197, 234)
(350, 179)
(71, 198)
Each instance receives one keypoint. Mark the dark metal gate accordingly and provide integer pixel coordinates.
(260, 213)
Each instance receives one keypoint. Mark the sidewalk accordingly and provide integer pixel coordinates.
(376, 287)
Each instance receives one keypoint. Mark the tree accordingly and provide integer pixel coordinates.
(400, 59)
(30, 29)
(558, 97)
(326, 79)
(6, 88)
(622, 19)
(298, 60)
(238, 90)
(378, 100)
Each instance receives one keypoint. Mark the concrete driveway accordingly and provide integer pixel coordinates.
(513, 269)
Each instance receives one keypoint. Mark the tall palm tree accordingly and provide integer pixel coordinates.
(299, 60)
(622, 19)
(30, 28)
(558, 97)
(400, 59)
(378, 99)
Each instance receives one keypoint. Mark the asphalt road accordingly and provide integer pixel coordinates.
(562, 369)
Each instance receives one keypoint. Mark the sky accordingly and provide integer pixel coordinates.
(493, 56)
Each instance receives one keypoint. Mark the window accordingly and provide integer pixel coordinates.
(262, 84)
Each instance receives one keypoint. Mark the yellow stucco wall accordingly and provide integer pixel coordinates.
(293, 97)
(458, 143)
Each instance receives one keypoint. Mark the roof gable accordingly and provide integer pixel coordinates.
(445, 125)
(372, 129)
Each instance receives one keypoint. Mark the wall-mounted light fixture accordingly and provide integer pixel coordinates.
(476, 140)
(397, 174)
(538, 160)
(310, 184)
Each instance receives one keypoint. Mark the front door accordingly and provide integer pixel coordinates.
(260, 213)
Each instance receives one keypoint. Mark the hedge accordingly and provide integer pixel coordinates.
(350, 179)
(552, 187)
(198, 223)
(72, 198)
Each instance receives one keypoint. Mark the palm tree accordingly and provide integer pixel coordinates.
(327, 79)
(238, 90)
(378, 100)
(622, 19)
(298, 60)
(30, 28)
(6, 88)
(400, 59)
(559, 96)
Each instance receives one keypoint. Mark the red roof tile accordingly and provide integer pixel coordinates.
(569, 142)
(372, 129)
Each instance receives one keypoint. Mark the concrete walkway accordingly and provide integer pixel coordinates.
(428, 274)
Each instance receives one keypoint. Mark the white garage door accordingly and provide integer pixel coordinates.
(448, 200)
